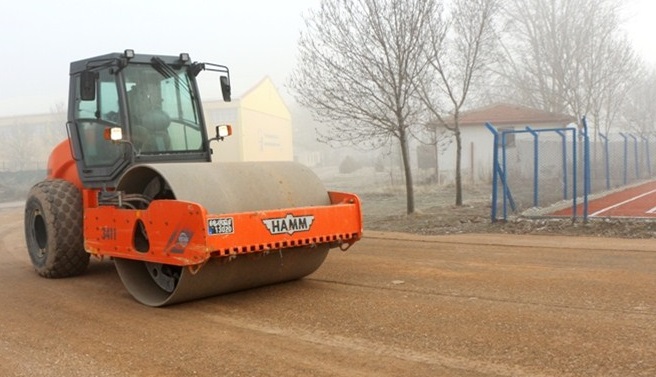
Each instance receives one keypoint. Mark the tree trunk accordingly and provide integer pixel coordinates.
(436, 155)
(409, 189)
(437, 165)
(458, 166)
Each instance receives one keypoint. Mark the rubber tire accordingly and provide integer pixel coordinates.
(53, 229)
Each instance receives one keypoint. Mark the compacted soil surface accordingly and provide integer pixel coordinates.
(477, 299)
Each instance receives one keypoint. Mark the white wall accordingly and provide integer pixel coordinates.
(477, 152)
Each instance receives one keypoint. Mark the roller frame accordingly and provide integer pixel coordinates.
(109, 231)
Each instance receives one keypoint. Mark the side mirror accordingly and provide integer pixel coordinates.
(225, 88)
(88, 85)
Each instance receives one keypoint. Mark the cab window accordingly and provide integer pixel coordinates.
(93, 117)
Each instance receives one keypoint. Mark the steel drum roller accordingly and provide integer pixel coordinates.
(225, 188)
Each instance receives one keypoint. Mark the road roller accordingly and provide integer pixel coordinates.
(135, 182)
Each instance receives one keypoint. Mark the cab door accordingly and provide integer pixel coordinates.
(99, 160)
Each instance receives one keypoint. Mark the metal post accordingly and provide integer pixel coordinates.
(536, 166)
(505, 174)
(495, 173)
(564, 150)
(586, 168)
(575, 177)
(607, 159)
(647, 155)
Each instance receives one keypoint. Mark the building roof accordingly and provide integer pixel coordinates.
(264, 97)
(507, 114)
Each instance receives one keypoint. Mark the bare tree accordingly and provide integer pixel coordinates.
(56, 128)
(358, 66)
(640, 110)
(19, 147)
(569, 56)
(460, 52)
(540, 52)
(616, 75)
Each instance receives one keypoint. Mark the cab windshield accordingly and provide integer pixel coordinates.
(162, 113)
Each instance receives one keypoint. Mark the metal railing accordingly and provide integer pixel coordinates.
(538, 170)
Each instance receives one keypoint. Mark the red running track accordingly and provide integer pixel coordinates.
(635, 202)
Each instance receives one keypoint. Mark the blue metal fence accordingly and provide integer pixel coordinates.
(543, 170)
(635, 162)
(525, 171)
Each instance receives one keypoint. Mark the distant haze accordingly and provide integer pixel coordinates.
(254, 38)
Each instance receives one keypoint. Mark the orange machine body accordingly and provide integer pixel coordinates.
(183, 233)
(61, 164)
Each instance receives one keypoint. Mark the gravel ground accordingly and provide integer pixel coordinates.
(395, 304)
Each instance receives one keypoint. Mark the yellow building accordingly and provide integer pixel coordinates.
(261, 126)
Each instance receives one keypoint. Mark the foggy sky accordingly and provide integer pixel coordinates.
(39, 39)
(254, 38)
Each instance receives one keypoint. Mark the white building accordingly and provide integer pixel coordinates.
(478, 141)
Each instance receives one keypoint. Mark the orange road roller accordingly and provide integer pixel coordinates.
(135, 182)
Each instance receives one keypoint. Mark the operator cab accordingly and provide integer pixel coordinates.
(151, 102)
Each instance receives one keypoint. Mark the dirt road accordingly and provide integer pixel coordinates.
(393, 305)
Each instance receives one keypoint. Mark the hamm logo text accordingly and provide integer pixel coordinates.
(289, 224)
